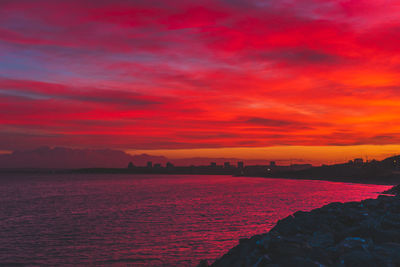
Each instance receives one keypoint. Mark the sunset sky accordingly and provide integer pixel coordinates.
(236, 78)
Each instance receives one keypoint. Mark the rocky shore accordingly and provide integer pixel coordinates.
(365, 233)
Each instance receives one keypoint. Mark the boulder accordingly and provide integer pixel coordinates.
(365, 233)
(358, 258)
(354, 243)
(321, 239)
(203, 263)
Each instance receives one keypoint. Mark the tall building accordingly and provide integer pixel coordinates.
(358, 161)
(149, 164)
(240, 164)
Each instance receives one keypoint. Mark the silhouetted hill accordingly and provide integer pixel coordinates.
(67, 158)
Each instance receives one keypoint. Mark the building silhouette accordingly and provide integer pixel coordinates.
(358, 161)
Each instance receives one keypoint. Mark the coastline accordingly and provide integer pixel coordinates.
(364, 233)
(375, 181)
(384, 180)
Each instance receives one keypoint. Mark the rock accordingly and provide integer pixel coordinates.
(287, 248)
(395, 190)
(389, 253)
(263, 261)
(203, 263)
(323, 256)
(287, 226)
(384, 199)
(298, 261)
(365, 233)
(385, 236)
(354, 243)
(333, 207)
(358, 258)
(363, 230)
(263, 243)
(243, 240)
(370, 203)
(350, 216)
(321, 239)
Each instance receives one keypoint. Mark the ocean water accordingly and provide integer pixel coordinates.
(147, 220)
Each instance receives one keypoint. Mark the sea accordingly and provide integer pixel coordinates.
(148, 220)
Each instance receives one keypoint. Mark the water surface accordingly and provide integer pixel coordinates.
(147, 220)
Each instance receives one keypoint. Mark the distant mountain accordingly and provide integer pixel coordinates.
(68, 158)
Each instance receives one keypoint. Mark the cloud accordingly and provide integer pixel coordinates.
(45, 91)
(268, 122)
(191, 74)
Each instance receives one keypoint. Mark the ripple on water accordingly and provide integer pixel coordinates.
(147, 220)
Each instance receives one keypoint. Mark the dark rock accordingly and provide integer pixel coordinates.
(391, 221)
(365, 233)
(298, 261)
(363, 230)
(358, 258)
(243, 240)
(203, 263)
(350, 216)
(300, 213)
(283, 248)
(395, 190)
(263, 261)
(385, 236)
(369, 203)
(287, 226)
(264, 242)
(389, 253)
(354, 243)
(384, 199)
(321, 239)
(323, 256)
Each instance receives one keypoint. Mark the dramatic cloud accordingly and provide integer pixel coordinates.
(132, 74)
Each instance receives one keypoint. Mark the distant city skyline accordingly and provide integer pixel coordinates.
(64, 157)
(297, 154)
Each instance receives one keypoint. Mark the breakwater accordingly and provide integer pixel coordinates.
(365, 233)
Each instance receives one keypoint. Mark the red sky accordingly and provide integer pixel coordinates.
(202, 77)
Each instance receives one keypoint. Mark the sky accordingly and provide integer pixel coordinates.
(246, 78)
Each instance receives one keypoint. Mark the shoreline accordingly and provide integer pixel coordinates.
(346, 180)
(364, 233)
(354, 180)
